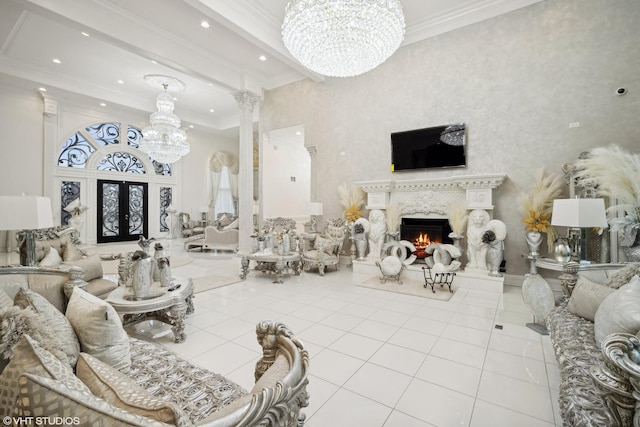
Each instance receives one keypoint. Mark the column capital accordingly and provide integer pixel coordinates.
(246, 100)
(312, 149)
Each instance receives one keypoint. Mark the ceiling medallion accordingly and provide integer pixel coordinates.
(343, 38)
(163, 140)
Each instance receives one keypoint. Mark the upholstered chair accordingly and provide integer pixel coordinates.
(186, 224)
(322, 250)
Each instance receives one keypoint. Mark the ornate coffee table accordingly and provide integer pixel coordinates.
(274, 263)
(169, 305)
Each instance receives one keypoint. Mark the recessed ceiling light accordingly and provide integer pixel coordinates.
(121, 82)
(262, 58)
(204, 24)
(102, 104)
(153, 61)
(191, 126)
(57, 61)
(42, 89)
(210, 84)
(298, 133)
(85, 34)
(175, 99)
(211, 110)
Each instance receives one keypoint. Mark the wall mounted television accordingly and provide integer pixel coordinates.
(429, 148)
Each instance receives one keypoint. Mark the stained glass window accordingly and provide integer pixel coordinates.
(75, 152)
(105, 133)
(121, 162)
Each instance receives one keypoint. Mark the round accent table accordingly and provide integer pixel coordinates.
(169, 305)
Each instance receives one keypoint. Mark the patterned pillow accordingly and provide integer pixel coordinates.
(29, 357)
(40, 395)
(99, 329)
(55, 320)
(622, 276)
(16, 322)
(51, 259)
(121, 391)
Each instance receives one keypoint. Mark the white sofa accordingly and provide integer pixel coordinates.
(215, 239)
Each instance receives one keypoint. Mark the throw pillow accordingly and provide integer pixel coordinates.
(16, 322)
(587, 297)
(40, 395)
(232, 225)
(622, 276)
(99, 329)
(123, 392)
(91, 265)
(619, 312)
(327, 245)
(70, 252)
(51, 259)
(29, 357)
(55, 320)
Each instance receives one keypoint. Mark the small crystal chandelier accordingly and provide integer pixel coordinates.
(342, 38)
(164, 141)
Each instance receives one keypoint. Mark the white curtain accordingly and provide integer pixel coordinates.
(218, 161)
(224, 197)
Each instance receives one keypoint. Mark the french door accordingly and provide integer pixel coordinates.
(122, 211)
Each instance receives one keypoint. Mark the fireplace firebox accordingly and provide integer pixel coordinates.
(422, 232)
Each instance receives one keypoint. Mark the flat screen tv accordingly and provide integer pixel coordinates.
(429, 148)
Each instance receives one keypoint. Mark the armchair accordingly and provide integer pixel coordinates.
(322, 250)
(187, 225)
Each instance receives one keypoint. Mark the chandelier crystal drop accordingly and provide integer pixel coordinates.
(343, 38)
(163, 140)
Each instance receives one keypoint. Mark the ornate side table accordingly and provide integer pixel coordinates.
(274, 263)
(169, 305)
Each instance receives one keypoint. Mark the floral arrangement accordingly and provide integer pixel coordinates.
(75, 208)
(358, 228)
(488, 237)
(538, 203)
(352, 200)
(617, 173)
(458, 217)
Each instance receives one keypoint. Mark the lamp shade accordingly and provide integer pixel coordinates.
(25, 213)
(579, 213)
(314, 208)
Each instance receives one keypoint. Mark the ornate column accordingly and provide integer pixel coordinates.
(246, 102)
(313, 150)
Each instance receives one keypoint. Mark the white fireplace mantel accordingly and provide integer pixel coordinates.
(476, 190)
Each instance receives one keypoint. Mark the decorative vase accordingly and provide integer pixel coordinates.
(260, 245)
(286, 242)
(494, 259)
(164, 272)
(534, 239)
(361, 246)
(141, 276)
(281, 249)
(561, 250)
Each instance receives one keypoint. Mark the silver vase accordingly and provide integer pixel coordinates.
(632, 253)
(561, 250)
(494, 259)
(534, 240)
(141, 276)
(361, 246)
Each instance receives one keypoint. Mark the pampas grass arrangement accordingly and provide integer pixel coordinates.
(618, 175)
(352, 199)
(537, 203)
(458, 217)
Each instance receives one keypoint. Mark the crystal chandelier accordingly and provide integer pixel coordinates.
(342, 38)
(164, 141)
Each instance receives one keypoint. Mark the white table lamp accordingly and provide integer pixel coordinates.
(578, 214)
(26, 213)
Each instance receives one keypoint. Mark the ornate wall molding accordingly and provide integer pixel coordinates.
(434, 195)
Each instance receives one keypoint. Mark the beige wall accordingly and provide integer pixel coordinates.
(517, 81)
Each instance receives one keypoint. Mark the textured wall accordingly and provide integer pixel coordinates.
(517, 80)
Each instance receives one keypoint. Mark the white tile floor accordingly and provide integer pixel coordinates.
(380, 358)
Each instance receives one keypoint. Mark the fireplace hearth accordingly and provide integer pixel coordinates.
(422, 232)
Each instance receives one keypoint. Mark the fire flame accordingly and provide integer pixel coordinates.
(422, 240)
